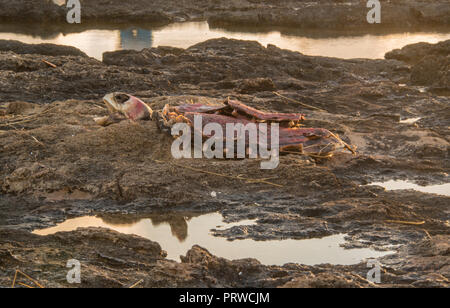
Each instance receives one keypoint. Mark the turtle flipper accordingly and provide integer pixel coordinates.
(161, 122)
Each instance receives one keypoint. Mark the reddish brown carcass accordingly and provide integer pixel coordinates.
(316, 142)
(293, 138)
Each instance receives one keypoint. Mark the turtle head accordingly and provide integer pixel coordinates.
(132, 107)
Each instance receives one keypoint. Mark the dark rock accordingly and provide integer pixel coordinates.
(431, 70)
(430, 64)
(350, 14)
(413, 53)
(248, 86)
(145, 57)
(41, 49)
(18, 107)
(32, 10)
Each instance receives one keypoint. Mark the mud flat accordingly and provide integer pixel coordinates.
(56, 164)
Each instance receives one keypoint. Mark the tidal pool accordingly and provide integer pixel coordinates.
(177, 234)
(96, 42)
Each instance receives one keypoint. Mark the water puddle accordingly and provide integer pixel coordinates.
(410, 120)
(422, 89)
(59, 2)
(443, 189)
(96, 42)
(177, 234)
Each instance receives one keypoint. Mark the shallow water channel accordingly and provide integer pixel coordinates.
(95, 42)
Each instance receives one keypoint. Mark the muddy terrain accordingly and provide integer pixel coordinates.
(323, 14)
(56, 163)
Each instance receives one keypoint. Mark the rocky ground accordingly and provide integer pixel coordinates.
(324, 14)
(121, 261)
(57, 163)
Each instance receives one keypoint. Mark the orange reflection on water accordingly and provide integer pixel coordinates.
(177, 234)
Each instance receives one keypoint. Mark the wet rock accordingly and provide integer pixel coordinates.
(17, 63)
(431, 70)
(23, 178)
(414, 53)
(93, 11)
(17, 108)
(111, 259)
(322, 14)
(40, 49)
(36, 79)
(249, 86)
(214, 64)
(325, 280)
(26, 10)
(316, 14)
(430, 255)
(430, 64)
(131, 57)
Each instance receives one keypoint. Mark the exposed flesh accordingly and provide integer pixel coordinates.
(292, 138)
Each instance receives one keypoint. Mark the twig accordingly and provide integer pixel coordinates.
(346, 145)
(306, 154)
(427, 233)
(32, 280)
(34, 138)
(136, 284)
(49, 64)
(27, 118)
(14, 281)
(300, 103)
(414, 223)
(26, 276)
(26, 133)
(99, 106)
(25, 285)
(223, 175)
(365, 280)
